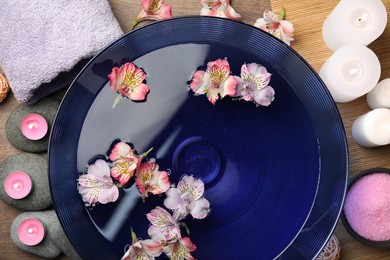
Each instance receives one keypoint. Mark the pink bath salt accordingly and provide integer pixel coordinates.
(367, 206)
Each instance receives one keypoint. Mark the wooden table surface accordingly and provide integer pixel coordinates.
(126, 11)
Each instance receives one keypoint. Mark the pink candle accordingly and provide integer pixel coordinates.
(18, 185)
(34, 126)
(31, 231)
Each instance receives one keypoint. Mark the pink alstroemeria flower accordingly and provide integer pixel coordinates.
(128, 82)
(125, 162)
(142, 249)
(187, 198)
(150, 179)
(253, 84)
(180, 249)
(153, 10)
(97, 185)
(215, 81)
(219, 8)
(164, 227)
(276, 26)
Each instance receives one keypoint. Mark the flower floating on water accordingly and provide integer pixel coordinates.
(107, 174)
(219, 8)
(96, 185)
(276, 26)
(153, 10)
(142, 249)
(187, 198)
(215, 81)
(125, 162)
(180, 248)
(128, 81)
(253, 84)
(150, 180)
(164, 227)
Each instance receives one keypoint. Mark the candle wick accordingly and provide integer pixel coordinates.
(32, 125)
(363, 18)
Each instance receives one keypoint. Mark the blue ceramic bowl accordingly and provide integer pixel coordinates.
(275, 176)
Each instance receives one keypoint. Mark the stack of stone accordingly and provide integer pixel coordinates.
(37, 204)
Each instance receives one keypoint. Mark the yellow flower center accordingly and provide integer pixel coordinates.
(123, 168)
(132, 80)
(147, 176)
(218, 76)
(155, 5)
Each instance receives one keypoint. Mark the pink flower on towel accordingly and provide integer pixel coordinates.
(128, 82)
(125, 162)
(187, 198)
(150, 179)
(276, 26)
(142, 249)
(253, 84)
(215, 81)
(219, 8)
(97, 185)
(153, 10)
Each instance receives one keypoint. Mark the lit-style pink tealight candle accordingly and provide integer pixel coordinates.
(34, 126)
(18, 185)
(31, 231)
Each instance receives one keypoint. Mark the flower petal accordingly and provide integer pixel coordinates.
(159, 217)
(160, 182)
(265, 96)
(139, 93)
(232, 14)
(197, 82)
(261, 24)
(200, 208)
(173, 199)
(152, 247)
(119, 151)
(228, 87)
(99, 169)
(165, 12)
(108, 195)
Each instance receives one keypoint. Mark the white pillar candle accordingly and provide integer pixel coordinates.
(379, 97)
(373, 128)
(351, 72)
(354, 21)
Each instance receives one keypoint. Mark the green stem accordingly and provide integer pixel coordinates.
(133, 24)
(146, 153)
(185, 227)
(282, 14)
(117, 99)
(134, 237)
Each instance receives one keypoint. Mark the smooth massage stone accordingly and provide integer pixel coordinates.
(47, 108)
(36, 167)
(47, 247)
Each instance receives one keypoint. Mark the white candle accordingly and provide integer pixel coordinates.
(373, 128)
(379, 97)
(354, 21)
(351, 72)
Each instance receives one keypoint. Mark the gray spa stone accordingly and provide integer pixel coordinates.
(36, 167)
(47, 108)
(47, 247)
(54, 233)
